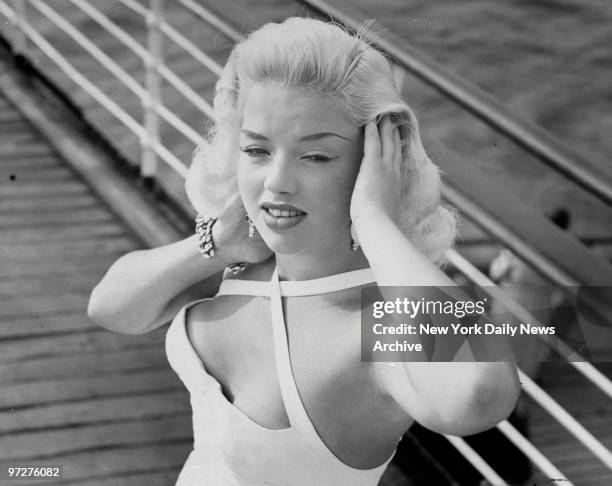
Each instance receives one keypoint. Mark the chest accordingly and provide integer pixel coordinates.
(234, 338)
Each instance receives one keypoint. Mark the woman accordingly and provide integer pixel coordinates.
(334, 202)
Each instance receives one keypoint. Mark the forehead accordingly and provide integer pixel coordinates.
(270, 108)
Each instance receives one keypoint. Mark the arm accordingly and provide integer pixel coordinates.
(145, 289)
(457, 398)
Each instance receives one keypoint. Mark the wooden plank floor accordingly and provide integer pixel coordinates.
(106, 406)
(589, 406)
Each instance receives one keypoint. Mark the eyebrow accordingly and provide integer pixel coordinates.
(307, 138)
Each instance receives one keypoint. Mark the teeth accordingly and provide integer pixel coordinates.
(283, 213)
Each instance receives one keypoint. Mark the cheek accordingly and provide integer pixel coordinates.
(337, 187)
(335, 195)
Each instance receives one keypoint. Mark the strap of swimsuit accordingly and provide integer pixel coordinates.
(294, 407)
(323, 285)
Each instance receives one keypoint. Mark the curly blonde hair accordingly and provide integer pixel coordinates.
(310, 54)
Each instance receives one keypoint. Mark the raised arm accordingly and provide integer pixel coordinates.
(456, 398)
(144, 289)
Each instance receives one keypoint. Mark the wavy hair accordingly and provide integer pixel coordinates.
(310, 54)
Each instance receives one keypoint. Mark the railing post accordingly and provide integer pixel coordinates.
(148, 166)
(20, 40)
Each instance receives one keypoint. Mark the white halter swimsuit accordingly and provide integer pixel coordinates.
(230, 449)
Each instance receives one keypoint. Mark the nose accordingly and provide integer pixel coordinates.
(281, 177)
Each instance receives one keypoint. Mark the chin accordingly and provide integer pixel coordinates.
(282, 245)
(286, 242)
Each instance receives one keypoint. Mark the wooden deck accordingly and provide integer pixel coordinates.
(107, 406)
(590, 407)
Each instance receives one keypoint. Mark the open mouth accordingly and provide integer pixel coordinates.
(281, 216)
(283, 213)
(282, 210)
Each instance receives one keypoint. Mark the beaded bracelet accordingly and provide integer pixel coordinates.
(203, 229)
(206, 245)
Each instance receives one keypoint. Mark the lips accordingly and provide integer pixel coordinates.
(281, 216)
(282, 210)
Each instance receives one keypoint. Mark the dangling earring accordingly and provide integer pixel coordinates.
(354, 239)
(251, 226)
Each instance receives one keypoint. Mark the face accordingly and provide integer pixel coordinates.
(299, 159)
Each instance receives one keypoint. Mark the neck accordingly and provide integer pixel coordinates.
(319, 263)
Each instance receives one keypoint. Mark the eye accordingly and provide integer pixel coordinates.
(254, 151)
(318, 157)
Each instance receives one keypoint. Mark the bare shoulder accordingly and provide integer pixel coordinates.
(208, 310)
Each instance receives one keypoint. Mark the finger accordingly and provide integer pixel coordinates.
(397, 146)
(386, 130)
(371, 141)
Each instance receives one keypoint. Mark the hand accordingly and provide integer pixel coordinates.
(378, 186)
(230, 234)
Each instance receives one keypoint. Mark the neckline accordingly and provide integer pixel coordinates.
(290, 288)
(299, 417)
(182, 317)
(342, 280)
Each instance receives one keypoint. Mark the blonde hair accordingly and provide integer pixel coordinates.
(310, 54)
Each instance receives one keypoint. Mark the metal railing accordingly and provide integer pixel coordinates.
(531, 137)
(591, 373)
(528, 135)
(563, 262)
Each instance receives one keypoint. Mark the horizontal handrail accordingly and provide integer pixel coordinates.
(547, 402)
(211, 19)
(19, 41)
(532, 452)
(476, 460)
(177, 37)
(511, 239)
(115, 69)
(539, 395)
(569, 422)
(488, 286)
(554, 253)
(566, 263)
(530, 136)
(94, 92)
(141, 52)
